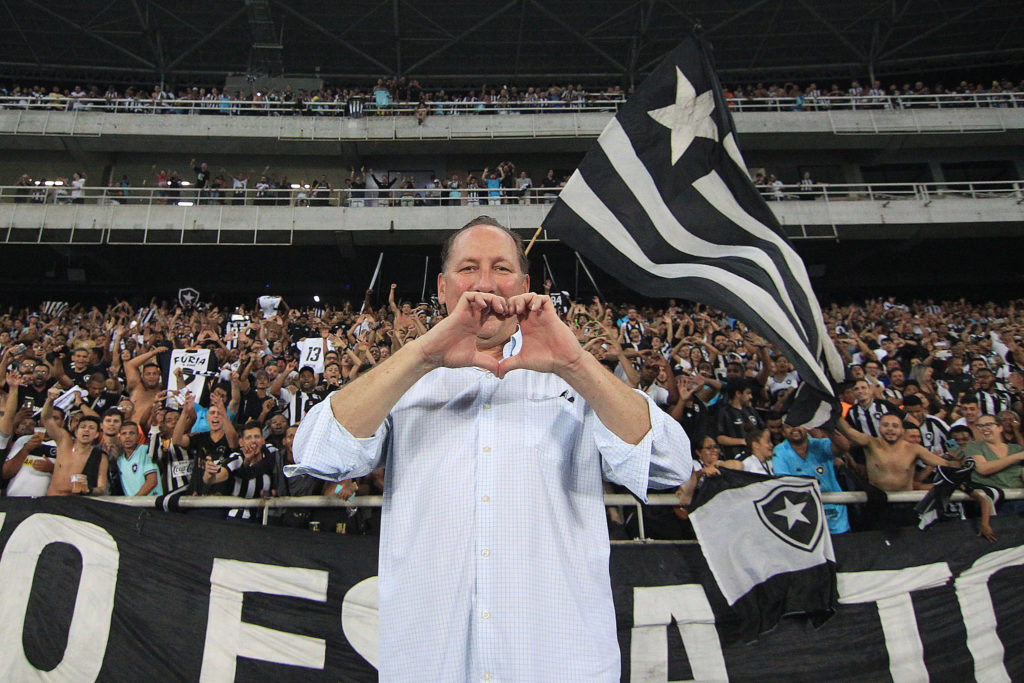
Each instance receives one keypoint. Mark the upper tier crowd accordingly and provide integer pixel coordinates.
(407, 96)
(171, 399)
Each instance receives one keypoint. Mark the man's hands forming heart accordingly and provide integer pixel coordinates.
(475, 332)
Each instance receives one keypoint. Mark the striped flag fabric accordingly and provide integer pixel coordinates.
(774, 557)
(54, 308)
(664, 203)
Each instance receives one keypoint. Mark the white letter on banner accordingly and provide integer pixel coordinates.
(979, 615)
(891, 590)
(94, 603)
(653, 609)
(228, 637)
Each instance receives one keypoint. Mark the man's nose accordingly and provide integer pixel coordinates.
(484, 281)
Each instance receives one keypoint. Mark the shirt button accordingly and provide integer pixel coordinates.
(487, 406)
(486, 615)
(485, 499)
(487, 449)
(485, 552)
(488, 677)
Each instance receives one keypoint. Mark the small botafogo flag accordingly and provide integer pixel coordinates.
(774, 556)
(664, 203)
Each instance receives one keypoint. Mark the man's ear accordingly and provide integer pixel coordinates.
(441, 298)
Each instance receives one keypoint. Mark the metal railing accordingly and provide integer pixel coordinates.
(610, 500)
(367, 106)
(303, 195)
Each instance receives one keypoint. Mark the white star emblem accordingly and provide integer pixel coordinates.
(793, 513)
(688, 118)
(187, 297)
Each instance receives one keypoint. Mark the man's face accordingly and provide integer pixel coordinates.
(483, 259)
(862, 392)
(782, 365)
(775, 428)
(985, 380)
(796, 435)
(80, 358)
(252, 441)
(917, 412)
(956, 365)
(872, 369)
(307, 380)
(278, 425)
(86, 432)
(970, 411)
(129, 435)
(746, 396)
(169, 422)
(151, 377)
(961, 438)
(289, 436)
(215, 418)
(896, 378)
(912, 435)
(631, 314)
(112, 425)
(733, 372)
(890, 428)
(720, 342)
(40, 374)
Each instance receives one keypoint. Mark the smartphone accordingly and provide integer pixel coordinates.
(30, 402)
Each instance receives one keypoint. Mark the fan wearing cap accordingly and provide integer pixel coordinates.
(304, 396)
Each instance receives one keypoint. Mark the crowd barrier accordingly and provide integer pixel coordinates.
(306, 195)
(610, 500)
(367, 106)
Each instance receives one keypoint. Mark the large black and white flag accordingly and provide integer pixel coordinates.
(664, 203)
(774, 557)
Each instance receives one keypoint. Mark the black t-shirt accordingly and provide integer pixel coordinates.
(104, 401)
(78, 377)
(201, 445)
(37, 395)
(734, 422)
(694, 419)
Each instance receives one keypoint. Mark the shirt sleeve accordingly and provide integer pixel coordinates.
(660, 460)
(326, 450)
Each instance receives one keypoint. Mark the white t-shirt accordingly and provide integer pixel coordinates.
(28, 482)
(268, 305)
(790, 381)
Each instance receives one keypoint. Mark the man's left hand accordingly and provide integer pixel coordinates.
(548, 343)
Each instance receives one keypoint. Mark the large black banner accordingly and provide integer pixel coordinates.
(95, 591)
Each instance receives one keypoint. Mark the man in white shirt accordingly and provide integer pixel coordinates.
(496, 430)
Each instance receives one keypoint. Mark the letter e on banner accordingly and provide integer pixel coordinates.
(90, 623)
(228, 637)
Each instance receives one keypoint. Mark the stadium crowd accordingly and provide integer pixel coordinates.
(406, 96)
(188, 398)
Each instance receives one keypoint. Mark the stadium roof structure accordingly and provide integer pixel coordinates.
(191, 42)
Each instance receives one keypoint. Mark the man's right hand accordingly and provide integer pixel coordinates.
(452, 343)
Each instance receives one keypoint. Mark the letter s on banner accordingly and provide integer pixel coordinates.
(228, 637)
(90, 623)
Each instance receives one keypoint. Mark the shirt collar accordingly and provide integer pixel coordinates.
(514, 345)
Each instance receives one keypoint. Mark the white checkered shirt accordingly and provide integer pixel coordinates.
(494, 547)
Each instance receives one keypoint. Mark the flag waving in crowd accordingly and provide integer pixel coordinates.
(664, 203)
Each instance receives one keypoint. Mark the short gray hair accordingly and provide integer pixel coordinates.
(524, 262)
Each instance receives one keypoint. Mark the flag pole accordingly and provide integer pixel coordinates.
(373, 280)
(551, 274)
(587, 271)
(532, 240)
(426, 267)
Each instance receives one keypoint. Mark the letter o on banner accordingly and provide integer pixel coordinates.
(94, 604)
